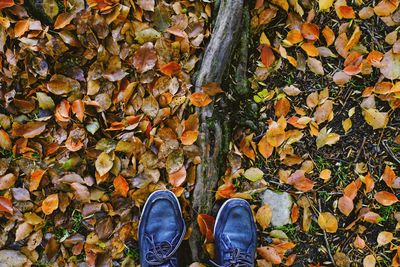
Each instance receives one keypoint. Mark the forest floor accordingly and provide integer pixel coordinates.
(97, 112)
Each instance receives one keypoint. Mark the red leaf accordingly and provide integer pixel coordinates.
(386, 198)
(121, 186)
(310, 31)
(6, 3)
(267, 56)
(78, 108)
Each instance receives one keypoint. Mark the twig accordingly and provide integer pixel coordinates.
(390, 152)
(326, 238)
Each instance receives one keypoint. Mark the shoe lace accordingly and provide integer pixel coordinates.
(238, 258)
(161, 252)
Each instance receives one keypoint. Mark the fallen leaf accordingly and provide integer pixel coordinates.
(327, 222)
(145, 58)
(281, 3)
(36, 178)
(6, 3)
(147, 5)
(359, 242)
(385, 7)
(329, 35)
(121, 186)
(6, 205)
(389, 176)
(369, 261)
(29, 129)
(325, 137)
(50, 204)
(384, 238)
(265, 148)
(325, 175)
(7, 181)
(345, 12)
(170, 68)
(103, 163)
(375, 118)
(282, 107)
(200, 99)
(21, 27)
(78, 108)
(212, 88)
(386, 198)
(264, 216)
(325, 5)
(23, 231)
(346, 124)
(267, 56)
(345, 205)
(253, 174)
(177, 178)
(269, 254)
(310, 31)
(5, 141)
(206, 226)
(315, 66)
(390, 65)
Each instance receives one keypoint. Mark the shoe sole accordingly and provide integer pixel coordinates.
(222, 207)
(145, 204)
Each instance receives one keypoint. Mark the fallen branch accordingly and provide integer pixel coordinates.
(214, 63)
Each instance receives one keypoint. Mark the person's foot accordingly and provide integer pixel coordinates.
(235, 234)
(161, 230)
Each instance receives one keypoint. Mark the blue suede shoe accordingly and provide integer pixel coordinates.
(235, 234)
(161, 230)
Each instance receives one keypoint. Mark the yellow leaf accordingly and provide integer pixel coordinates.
(281, 3)
(264, 39)
(327, 222)
(264, 216)
(325, 4)
(347, 124)
(376, 118)
(325, 175)
(103, 163)
(325, 137)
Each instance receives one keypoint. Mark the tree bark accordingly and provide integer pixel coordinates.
(214, 63)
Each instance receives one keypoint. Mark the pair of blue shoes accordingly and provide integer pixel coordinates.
(162, 228)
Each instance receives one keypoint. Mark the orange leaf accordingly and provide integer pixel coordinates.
(294, 215)
(265, 148)
(369, 183)
(386, 7)
(121, 186)
(5, 203)
(50, 204)
(6, 3)
(246, 147)
(329, 35)
(351, 190)
(389, 176)
(294, 36)
(206, 226)
(385, 198)
(359, 242)
(282, 107)
(345, 205)
(225, 191)
(178, 177)
(310, 31)
(62, 112)
(5, 141)
(170, 68)
(369, 261)
(310, 49)
(78, 108)
(275, 134)
(200, 99)
(346, 12)
(21, 27)
(269, 254)
(36, 177)
(384, 238)
(189, 137)
(29, 129)
(63, 19)
(371, 217)
(267, 56)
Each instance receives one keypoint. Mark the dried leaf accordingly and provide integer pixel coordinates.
(145, 58)
(315, 66)
(325, 5)
(5, 141)
(206, 226)
(327, 222)
(200, 99)
(369, 261)
(121, 186)
(264, 216)
(29, 129)
(310, 31)
(345, 205)
(23, 231)
(325, 137)
(177, 178)
(384, 238)
(376, 118)
(6, 205)
(50, 204)
(212, 88)
(267, 56)
(269, 254)
(103, 163)
(253, 174)
(386, 198)
(265, 148)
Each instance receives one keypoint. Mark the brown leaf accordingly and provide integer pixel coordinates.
(7, 181)
(147, 5)
(21, 27)
(35, 179)
(29, 129)
(61, 85)
(386, 198)
(389, 176)
(264, 216)
(82, 193)
(6, 205)
(189, 137)
(328, 222)
(212, 88)
(63, 19)
(78, 108)
(323, 112)
(145, 58)
(50, 204)
(23, 231)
